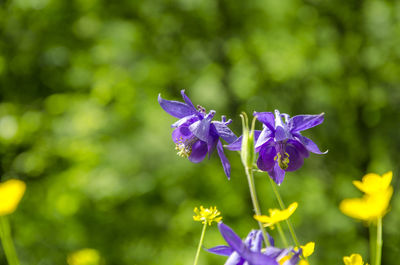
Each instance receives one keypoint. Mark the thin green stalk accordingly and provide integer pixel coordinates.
(282, 235)
(372, 242)
(7, 242)
(378, 252)
(200, 243)
(282, 205)
(250, 179)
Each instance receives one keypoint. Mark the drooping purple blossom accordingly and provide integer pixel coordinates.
(195, 133)
(249, 251)
(280, 145)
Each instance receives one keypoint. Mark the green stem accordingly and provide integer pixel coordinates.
(6, 240)
(200, 243)
(250, 179)
(378, 253)
(282, 235)
(282, 205)
(372, 242)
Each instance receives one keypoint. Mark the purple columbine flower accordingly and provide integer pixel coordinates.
(280, 145)
(196, 134)
(250, 251)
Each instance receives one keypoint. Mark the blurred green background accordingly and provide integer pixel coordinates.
(80, 122)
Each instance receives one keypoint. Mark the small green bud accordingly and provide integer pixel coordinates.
(247, 151)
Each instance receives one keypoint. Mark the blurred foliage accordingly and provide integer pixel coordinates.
(80, 123)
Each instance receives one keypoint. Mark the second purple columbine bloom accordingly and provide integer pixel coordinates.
(195, 133)
(280, 145)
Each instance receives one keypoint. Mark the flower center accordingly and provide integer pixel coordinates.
(282, 156)
(184, 147)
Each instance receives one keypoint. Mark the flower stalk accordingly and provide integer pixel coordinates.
(378, 250)
(203, 232)
(7, 241)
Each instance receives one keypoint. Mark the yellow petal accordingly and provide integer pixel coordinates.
(85, 256)
(354, 259)
(308, 249)
(369, 207)
(276, 215)
(11, 193)
(373, 183)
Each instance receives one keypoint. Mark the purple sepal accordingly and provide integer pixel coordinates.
(224, 160)
(221, 250)
(267, 118)
(224, 132)
(310, 145)
(303, 122)
(175, 108)
(187, 100)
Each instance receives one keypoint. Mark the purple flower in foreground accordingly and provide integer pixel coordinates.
(250, 251)
(195, 133)
(280, 145)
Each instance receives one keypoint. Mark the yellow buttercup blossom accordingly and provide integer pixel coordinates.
(86, 256)
(11, 193)
(303, 262)
(373, 183)
(276, 215)
(207, 215)
(354, 259)
(369, 207)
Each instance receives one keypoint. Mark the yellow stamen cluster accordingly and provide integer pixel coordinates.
(184, 147)
(283, 161)
(354, 259)
(11, 193)
(276, 215)
(375, 202)
(207, 215)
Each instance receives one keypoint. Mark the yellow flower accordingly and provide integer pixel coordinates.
(373, 183)
(303, 262)
(369, 207)
(308, 249)
(207, 215)
(354, 259)
(276, 216)
(86, 256)
(11, 193)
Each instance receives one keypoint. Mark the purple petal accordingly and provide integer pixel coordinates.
(224, 160)
(212, 140)
(277, 174)
(266, 158)
(187, 120)
(274, 252)
(181, 134)
(297, 153)
(294, 259)
(187, 100)
(256, 241)
(221, 250)
(237, 144)
(303, 122)
(310, 145)
(257, 258)
(267, 118)
(235, 259)
(201, 128)
(224, 132)
(175, 108)
(199, 151)
(265, 135)
(233, 240)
